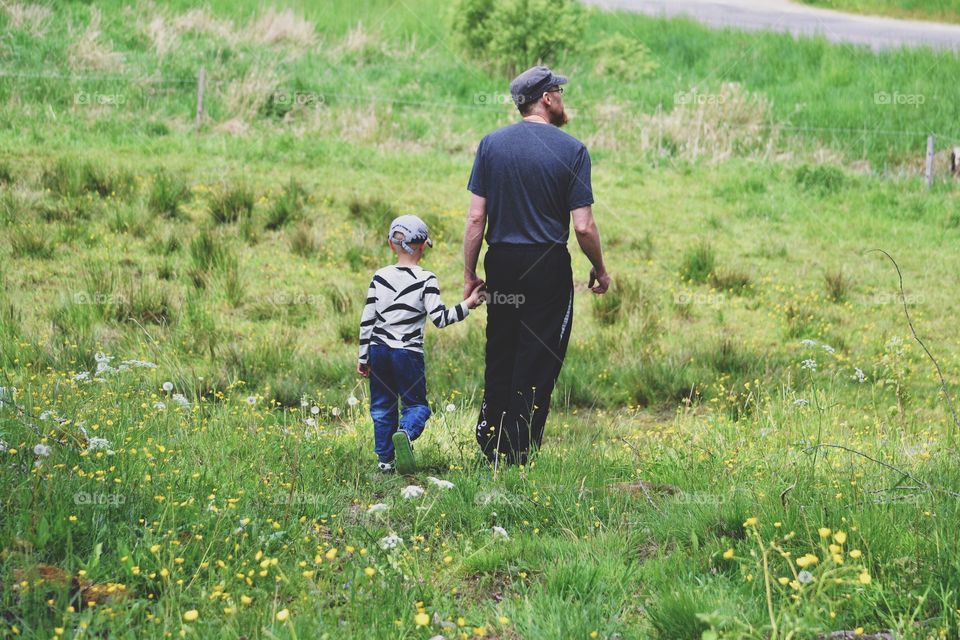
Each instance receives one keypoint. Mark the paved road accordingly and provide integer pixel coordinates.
(800, 20)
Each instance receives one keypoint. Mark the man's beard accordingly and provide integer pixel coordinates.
(559, 119)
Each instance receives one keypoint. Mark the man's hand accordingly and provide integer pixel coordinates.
(602, 279)
(363, 369)
(470, 282)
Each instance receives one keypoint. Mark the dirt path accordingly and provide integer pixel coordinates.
(800, 20)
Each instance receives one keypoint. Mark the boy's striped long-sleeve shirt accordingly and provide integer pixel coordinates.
(399, 300)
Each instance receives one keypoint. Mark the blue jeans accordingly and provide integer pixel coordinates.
(396, 374)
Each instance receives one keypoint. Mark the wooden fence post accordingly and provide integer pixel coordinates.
(929, 173)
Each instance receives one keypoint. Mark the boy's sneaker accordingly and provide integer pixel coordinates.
(385, 467)
(403, 450)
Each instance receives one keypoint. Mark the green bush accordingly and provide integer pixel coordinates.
(621, 57)
(511, 35)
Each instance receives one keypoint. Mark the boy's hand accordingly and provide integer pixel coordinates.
(363, 369)
(475, 299)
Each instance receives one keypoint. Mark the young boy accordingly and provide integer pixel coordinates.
(399, 300)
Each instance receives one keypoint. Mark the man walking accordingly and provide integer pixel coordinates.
(528, 180)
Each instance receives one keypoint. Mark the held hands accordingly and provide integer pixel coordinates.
(470, 282)
(363, 369)
(602, 280)
(476, 298)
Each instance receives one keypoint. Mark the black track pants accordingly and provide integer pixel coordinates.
(529, 316)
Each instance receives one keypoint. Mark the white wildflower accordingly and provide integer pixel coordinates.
(159, 405)
(310, 422)
(808, 342)
(314, 409)
(804, 577)
(83, 376)
(859, 375)
(103, 363)
(335, 411)
(391, 541)
(3, 445)
(500, 532)
(181, 400)
(46, 415)
(800, 402)
(352, 401)
(168, 386)
(451, 408)
(304, 403)
(41, 450)
(443, 484)
(411, 491)
(377, 508)
(810, 364)
(143, 364)
(828, 348)
(94, 444)
(251, 400)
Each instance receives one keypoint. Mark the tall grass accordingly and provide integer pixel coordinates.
(784, 74)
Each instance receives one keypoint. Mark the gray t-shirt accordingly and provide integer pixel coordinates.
(532, 175)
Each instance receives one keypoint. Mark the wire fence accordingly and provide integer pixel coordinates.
(487, 102)
(902, 151)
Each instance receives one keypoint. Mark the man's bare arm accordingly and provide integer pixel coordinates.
(472, 240)
(588, 237)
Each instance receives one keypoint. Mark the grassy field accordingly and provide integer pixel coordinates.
(747, 440)
(939, 10)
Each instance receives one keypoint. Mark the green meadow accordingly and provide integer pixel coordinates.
(747, 439)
